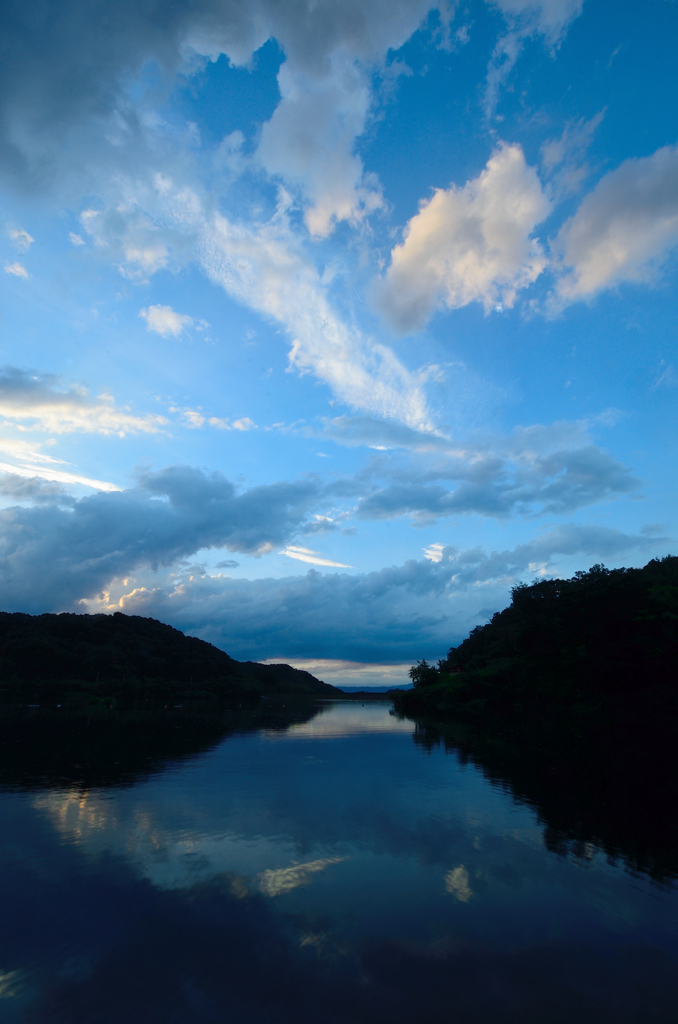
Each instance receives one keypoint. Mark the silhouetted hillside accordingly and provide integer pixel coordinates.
(105, 659)
(603, 637)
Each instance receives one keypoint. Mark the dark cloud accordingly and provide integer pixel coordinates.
(499, 486)
(353, 431)
(33, 489)
(395, 614)
(65, 68)
(50, 558)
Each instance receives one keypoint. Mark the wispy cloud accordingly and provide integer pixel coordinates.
(21, 239)
(312, 557)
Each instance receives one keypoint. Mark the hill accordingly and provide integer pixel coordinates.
(78, 660)
(602, 638)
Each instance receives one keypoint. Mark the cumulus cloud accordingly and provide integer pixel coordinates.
(165, 321)
(393, 614)
(469, 244)
(623, 229)
(51, 558)
(35, 402)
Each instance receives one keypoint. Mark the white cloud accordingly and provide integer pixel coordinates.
(434, 552)
(22, 240)
(193, 417)
(469, 244)
(309, 142)
(76, 239)
(623, 229)
(35, 402)
(16, 269)
(244, 424)
(165, 321)
(312, 557)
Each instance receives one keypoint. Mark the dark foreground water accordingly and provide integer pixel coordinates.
(310, 864)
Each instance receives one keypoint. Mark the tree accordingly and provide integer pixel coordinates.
(423, 674)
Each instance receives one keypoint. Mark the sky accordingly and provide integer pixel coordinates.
(324, 323)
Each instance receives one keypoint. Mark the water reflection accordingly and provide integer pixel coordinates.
(610, 792)
(342, 874)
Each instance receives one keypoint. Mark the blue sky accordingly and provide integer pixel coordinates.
(323, 324)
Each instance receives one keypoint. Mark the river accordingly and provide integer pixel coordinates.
(316, 863)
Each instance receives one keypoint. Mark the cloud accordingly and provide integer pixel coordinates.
(165, 322)
(17, 270)
(353, 674)
(309, 142)
(22, 240)
(468, 244)
(243, 424)
(391, 615)
(564, 159)
(312, 557)
(623, 229)
(262, 266)
(66, 103)
(36, 402)
(549, 19)
(51, 558)
(275, 882)
(495, 485)
(36, 474)
(33, 489)
(73, 103)
(354, 431)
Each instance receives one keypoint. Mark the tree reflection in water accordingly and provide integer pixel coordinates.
(613, 789)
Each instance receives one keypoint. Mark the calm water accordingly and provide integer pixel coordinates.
(327, 869)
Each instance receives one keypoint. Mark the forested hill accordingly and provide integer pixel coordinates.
(94, 659)
(578, 641)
